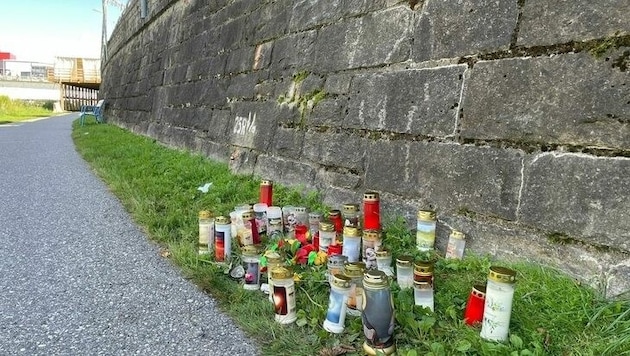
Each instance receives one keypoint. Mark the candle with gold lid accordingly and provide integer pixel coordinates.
(498, 304)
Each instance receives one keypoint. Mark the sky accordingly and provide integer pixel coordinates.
(40, 30)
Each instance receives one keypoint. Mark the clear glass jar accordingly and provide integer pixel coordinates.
(425, 230)
(206, 232)
(289, 220)
(423, 271)
(355, 271)
(384, 262)
(404, 271)
(498, 304)
(313, 223)
(274, 223)
(370, 246)
(273, 260)
(456, 245)
(245, 234)
(260, 215)
(423, 294)
(378, 314)
(351, 243)
(283, 292)
(334, 266)
(327, 235)
(350, 215)
(223, 239)
(251, 264)
(301, 215)
(337, 304)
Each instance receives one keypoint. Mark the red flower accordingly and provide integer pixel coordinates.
(301, 256)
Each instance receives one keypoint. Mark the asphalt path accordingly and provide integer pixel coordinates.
(77, 276)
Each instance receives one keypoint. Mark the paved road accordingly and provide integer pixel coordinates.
(77, 277)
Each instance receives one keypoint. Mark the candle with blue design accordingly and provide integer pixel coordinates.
(378, 314)
(336, 315)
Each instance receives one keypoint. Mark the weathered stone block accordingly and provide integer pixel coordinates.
(336, 149)
(337, 83)
(450, 177)
(328, 112)
(307, 14)
(286, 171)
(288, 142)
(345, 180)
(448, 29)
(293, 51)
(572, 99)
(551, 22)
(240, 60)
(254, 124)
(378, 38)
(419, 102)
(272, 20)
(242, 86)
(580, 196)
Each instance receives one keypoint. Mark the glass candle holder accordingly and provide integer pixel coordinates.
(250, 236)
(351, 243)
(260, 215)
(384, 262)
(336, 249)
(266, 192)
(355, 271)
(334, 266)
(404, 271)
(301, 215)
(301, 233)
(371, 211)
(456, 245)
(289, 220)
(377, 314)
(206, 232)
(335, 218)
(327, 235)
(370, 246)
(498, 304)
(425, 230)
(350, 215)
(313, 223)
(222, 239)
(423, 294)
(274, 223)
(251, 264)
(473, 314)
(273, 260)
(283, 292)
(423, 271)
(337, 304)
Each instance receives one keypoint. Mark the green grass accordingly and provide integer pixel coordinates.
(552, 314)
(18, 110)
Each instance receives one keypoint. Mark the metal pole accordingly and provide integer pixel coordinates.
(104, 34)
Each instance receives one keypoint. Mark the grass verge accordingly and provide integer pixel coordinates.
(19, 110)
(552, 314)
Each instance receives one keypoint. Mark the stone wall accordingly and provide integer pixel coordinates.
(509, 118)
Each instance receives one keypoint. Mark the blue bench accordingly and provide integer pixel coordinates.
(94, 110)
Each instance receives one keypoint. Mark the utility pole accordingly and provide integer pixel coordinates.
(104, 34)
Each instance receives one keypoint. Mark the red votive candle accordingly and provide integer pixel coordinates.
(266, 192)
(371, 211)
(335, 218)
(335, 249)
(301, 233)
(473, 314)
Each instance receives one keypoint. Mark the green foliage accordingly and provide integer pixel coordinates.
(552, 314)
(19, 110)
